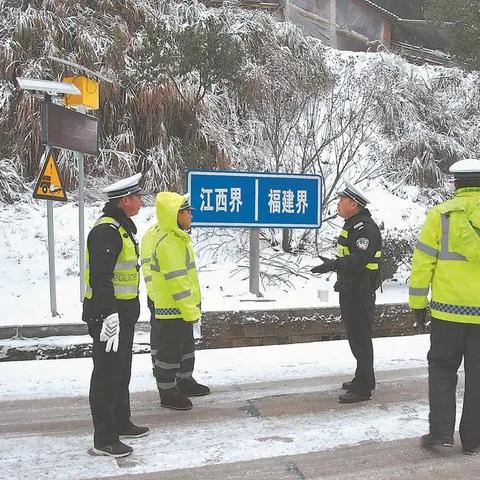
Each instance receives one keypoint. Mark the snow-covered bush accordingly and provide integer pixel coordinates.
(12, 185)
(397, 251)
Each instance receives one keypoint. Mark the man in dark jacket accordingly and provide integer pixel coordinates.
(111, 308)
(357, 266)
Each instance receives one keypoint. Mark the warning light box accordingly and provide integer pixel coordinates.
(89, 92)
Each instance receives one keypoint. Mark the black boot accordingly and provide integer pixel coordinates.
(190, 388)
(354, 397)
(431, 440)
(172, 398)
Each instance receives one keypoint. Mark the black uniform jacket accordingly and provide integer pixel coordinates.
(363, 241)
(104, 245)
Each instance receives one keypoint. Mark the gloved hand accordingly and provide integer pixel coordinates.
(327, 266)
(110, 332)
(420, 318)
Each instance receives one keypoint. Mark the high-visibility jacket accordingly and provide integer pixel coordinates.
(125, 274)
(174, 286)
(447, 258)
(146, 249)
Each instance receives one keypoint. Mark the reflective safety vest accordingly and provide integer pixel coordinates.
(447, 258)
(343, 250)
(125, 274)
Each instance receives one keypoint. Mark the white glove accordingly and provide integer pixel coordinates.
(110, 332)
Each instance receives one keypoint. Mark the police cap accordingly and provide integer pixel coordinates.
(124, 187)
(354, 193)
(468, 168)
(186, 203)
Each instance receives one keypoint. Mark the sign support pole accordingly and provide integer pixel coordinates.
(81, 223)
(254, 277)
(51, 250)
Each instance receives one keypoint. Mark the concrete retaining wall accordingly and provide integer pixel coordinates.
(219, 330)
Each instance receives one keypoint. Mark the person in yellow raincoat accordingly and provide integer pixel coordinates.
(168, 266)
(447, 260)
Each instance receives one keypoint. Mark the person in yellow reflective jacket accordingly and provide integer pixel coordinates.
(447, 260)
(168, 266)
(111, 308)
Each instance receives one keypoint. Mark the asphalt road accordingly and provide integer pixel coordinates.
(59, 432)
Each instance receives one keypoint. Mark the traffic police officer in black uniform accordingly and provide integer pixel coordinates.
(111, 308)
(357, 266)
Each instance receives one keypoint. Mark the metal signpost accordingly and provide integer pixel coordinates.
(255, 200)
(65, 128)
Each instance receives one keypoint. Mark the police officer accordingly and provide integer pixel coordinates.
(168, 266)
(357, 266)
(447, 258)
(111, 309)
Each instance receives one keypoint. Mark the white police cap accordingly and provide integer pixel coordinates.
(468, 168)
(124, 187)
(350, 191)
(186, 203)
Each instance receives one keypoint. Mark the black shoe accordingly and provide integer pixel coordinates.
(348, 385)
(470, 451)
(430, 440)
(353, 397)
(134, 431)
(174, 399)
(117, 450)
(190, 388)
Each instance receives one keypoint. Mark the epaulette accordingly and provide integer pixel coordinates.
(358, 226)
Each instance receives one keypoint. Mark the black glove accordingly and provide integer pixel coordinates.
(420, 318)
(328, 266)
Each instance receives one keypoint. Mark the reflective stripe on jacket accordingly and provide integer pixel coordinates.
(148, 242)
(343, 250)
(125, 278)
(447, 258)
(174, 286)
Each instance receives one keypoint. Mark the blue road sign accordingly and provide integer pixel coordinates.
(238, 199)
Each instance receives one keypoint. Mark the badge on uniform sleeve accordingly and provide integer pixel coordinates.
(362, 243)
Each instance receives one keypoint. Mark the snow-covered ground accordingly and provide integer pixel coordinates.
(225, 367)
(24, 283)
(218, 430)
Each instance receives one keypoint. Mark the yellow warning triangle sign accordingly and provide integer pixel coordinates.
(49, 184)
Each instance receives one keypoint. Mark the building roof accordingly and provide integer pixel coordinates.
(379, 9)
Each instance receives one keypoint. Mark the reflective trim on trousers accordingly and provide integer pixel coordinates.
(166, 385)
(166, 366)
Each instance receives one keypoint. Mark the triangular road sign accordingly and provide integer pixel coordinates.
(49, 184)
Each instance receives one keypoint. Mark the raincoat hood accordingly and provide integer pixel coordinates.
(167, 205)
(466, 204)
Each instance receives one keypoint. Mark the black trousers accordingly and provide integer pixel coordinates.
(358, 312)
(449, 343)
(109, 395)
(174, 347)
